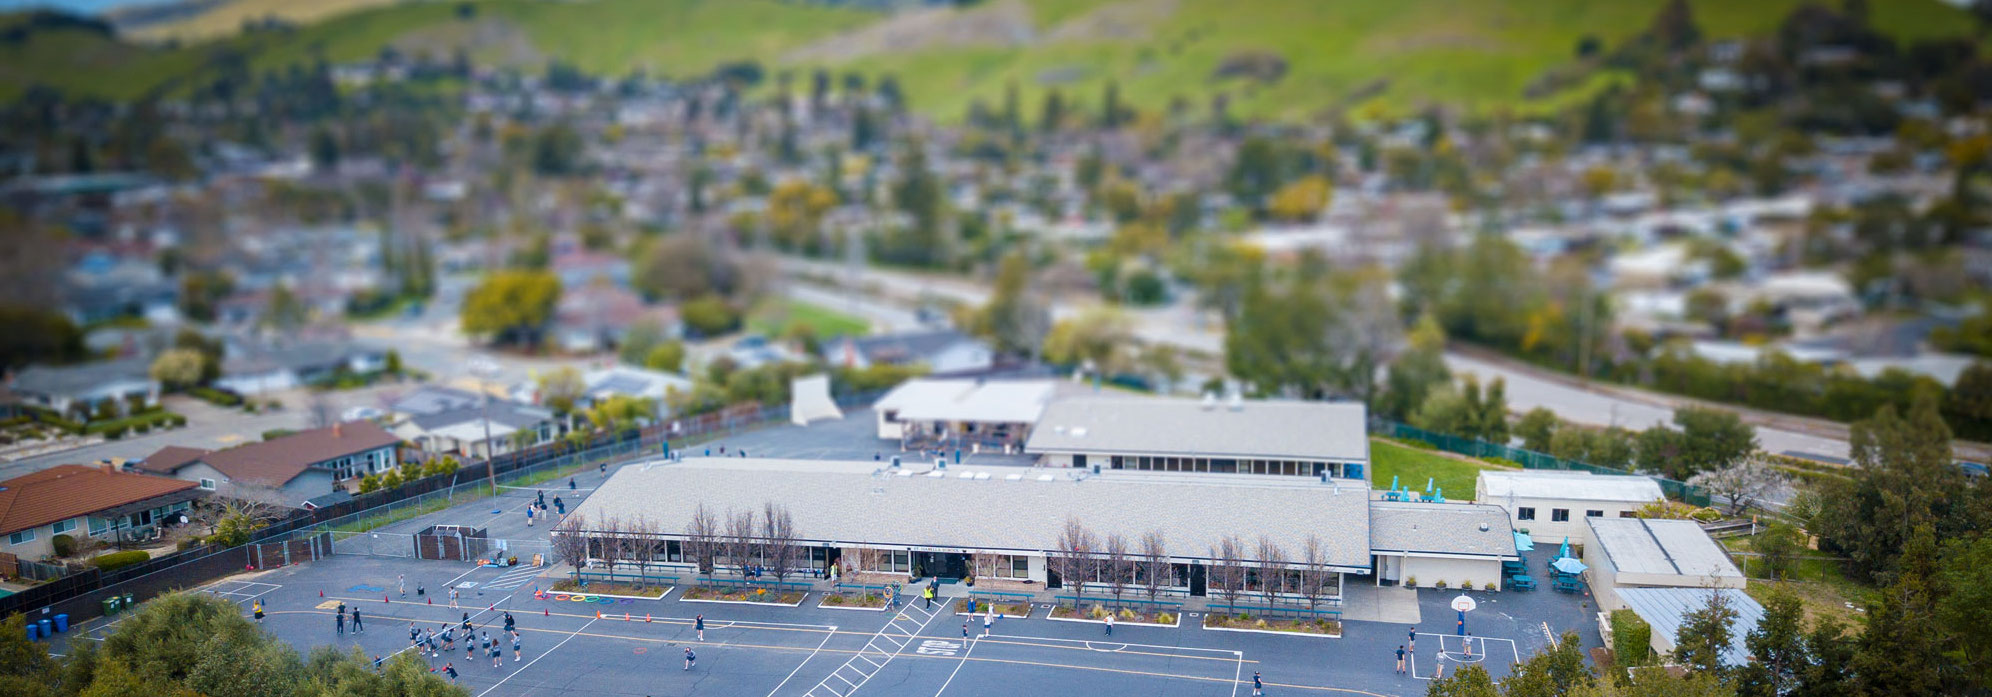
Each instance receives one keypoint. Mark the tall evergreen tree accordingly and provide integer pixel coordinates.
(1778, 645)
(1706, 632)
(1900, 653)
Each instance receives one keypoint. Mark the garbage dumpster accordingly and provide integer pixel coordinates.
(110, 606)
(62, 622)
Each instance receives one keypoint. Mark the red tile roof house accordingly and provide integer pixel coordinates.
(285, 471)
(85, 501)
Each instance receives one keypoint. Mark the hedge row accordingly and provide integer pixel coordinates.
(119, 560)
(1632, 638)
(217, 397)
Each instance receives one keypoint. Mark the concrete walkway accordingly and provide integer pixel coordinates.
(1364, 602)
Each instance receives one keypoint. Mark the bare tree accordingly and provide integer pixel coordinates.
(780, 548)
(870, 559)
(1272, 569)
(1073, 558)
(570, 545)
(1313, 570)
(319, 412)
(1120, 569)
(1227, 570)
(702, 539)
(1155, 571)
(610, 541)
(740, 539)
(1743, 484)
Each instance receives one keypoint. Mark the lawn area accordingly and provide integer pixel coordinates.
(1455, 477)
(1818, 580)
(777, 317)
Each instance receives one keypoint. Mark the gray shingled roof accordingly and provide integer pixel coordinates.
(1441, 528)
(844, 502)
(507, 413)
(74, 379)
(1265, 429)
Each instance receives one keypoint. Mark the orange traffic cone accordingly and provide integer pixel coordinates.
(598, 614)
(625, 617)
(646, 617)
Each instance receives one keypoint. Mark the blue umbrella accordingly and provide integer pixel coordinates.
(1564, 551)
(1523, 543)
(1568, 565)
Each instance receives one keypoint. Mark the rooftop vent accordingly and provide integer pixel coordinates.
(1483, 527)
(1013, 478)
(979, 476)
(966, 475)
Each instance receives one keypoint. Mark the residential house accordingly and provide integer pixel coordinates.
(598, 316)
(632, 382)
(447, 420)
(253, 370)
(944, 351)
(103, 287)
(288, 470)
(85, 501)
(81, 388)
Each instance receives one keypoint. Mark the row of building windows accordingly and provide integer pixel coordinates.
(1562, 515)
(1300, 468)
(98, 526)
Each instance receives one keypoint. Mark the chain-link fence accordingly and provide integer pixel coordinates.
(1528, 459)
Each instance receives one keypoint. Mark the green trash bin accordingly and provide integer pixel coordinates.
(128, 603)
(110, 606)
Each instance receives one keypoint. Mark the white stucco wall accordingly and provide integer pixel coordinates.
(1545, 530)
(1431, 570)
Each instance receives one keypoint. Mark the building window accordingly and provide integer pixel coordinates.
(1012, 566)
(62, 526)
(1628, 514)
(1525, 513)
(99, 526)
(20, 537)
(207, 484)
(1594, 514)
(1559, 515)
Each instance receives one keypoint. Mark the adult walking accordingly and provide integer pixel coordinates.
(358, 628)
(928, 593)
(339, 624)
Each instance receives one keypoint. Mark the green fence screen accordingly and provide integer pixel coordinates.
(1528, 459)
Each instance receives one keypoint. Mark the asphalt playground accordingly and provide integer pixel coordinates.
(595, 645)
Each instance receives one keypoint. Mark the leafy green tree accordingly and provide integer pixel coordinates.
(709, 315)
(668, 356)
(1470, 681)
(511, 305)
(1902, 650)
(1016, 317)
(1965, 609)
(1778, 645)
(26, 669)
(1537, 428)
(1903, 478)
(641, 337)
(561, 388)
(1706, 632)
(37, 335)
(1968, 404)
(1551, 673)
(1101, 338)
(392, 363)
(1708, 439)
(177, 368)
(1418, 370)
(1780, 544)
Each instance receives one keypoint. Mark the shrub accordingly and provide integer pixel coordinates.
(1631, 638)
(1491, 585)
(115, 433)
(1466, 585)
(1261, 624)
(141, 427)
(1165, 618)
(64, 545)
(276, 433)
(1411, 581)
(1099, 612)
(187, 544)
(1128, 614)
(1441, 584)
(833, 599)
(119, 560)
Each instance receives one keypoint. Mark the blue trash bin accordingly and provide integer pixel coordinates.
(62, 622)
(47, 628)
(34, 631)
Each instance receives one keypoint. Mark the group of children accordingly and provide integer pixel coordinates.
(435, 643)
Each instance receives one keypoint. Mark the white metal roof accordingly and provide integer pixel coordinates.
(1441, 528)
(1267, 429)
(1664, 608)
(859, 502)
(1676, 547)
(1496, 486)
(1015, 401)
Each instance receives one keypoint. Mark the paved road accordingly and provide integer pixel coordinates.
(1527, 387)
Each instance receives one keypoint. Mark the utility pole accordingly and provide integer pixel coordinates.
(483, 368)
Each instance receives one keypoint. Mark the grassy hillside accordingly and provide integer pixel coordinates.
(1393, 55)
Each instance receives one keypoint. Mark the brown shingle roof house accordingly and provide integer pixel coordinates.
(69, 499)
(300, 465)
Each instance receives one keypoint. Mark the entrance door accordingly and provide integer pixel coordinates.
(1197, 580)
(950, 566)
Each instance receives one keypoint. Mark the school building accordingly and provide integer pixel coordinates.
(1006, 523)
(1554, 505)
(1261, 437)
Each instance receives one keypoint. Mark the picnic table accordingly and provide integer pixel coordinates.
(1568, 584)
(1522, 582)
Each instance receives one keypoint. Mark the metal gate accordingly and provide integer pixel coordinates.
(378, 544)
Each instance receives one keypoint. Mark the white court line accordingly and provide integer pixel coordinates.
(543, 654)
(1119, 643)
(964, 661)
(1412, 657)
(1237, 674)
(805, 661)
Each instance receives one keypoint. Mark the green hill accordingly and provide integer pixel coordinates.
(1283, 58)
